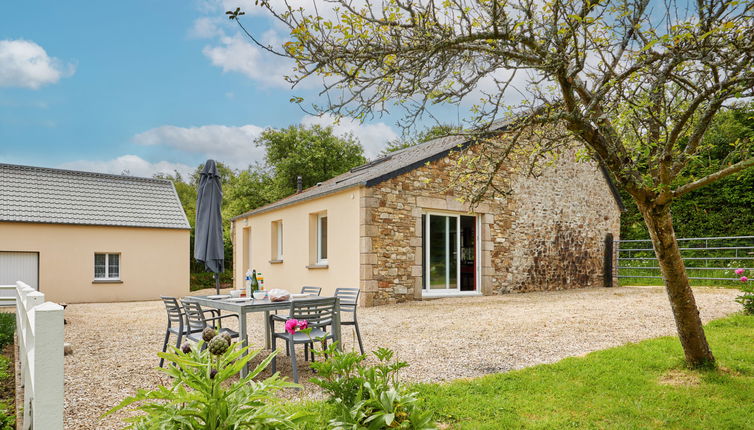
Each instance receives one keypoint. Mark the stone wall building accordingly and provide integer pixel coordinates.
(398, 228)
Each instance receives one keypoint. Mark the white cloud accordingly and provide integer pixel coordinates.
(206, 28)
(236, 54)
(373, 137)
(235, 146)
(231, 145)
(25, 64)
(131, 165)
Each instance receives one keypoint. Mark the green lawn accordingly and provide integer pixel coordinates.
(636, 386)
(619, 388)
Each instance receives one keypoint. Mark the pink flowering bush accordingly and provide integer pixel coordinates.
(747, 298)
(293, 325)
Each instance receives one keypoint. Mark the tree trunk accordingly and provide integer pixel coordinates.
(688, 323)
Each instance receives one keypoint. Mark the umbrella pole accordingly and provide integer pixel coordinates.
(217, 283)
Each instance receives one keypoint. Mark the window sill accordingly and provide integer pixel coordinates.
(276, 261)
(318, 266)
(107, 281)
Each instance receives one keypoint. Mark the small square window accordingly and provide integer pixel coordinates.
(106, 266)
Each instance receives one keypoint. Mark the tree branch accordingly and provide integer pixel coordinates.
(720, 174)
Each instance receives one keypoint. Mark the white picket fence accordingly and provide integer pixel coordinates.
(39, 326)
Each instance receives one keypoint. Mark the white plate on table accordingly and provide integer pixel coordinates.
(300, 296)
(218, 296)
(239, 299)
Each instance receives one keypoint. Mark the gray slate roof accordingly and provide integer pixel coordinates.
(379, 170)
(43, 195)
(394, 164)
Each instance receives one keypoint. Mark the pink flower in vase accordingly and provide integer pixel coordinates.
(303, 324)
(739, 272)
(744, 279)
(291, 325)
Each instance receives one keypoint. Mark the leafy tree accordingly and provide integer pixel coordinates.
(247, 190)
(723, 210)
(636, 82)
(315, 154)
(434, 132)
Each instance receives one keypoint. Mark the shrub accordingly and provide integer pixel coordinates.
(202, 280)
(202, 397)
(368, 396)
(7, 328)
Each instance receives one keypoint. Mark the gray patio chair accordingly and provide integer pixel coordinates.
(349, 301)
(318, 313)
(176, 323)
(197, 321)
(315, 291)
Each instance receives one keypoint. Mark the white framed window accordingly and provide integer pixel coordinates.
(277, 240)
(322, 238)
(106, 266)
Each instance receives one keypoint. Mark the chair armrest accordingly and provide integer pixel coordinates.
(281, 318)
(224, 316)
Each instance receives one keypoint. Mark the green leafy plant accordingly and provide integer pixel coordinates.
(747, 288)
(7, 328)
(202, 396)
(368, 396)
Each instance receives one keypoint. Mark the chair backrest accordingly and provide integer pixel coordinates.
(349, 298)
(194, 315)
(317, 312)
(174, 309)
(311, 290)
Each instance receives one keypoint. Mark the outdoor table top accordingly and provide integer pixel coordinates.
(248, 304)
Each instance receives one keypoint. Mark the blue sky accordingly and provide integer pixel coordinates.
(144, 87)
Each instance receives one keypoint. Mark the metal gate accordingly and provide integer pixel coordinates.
(706, 258)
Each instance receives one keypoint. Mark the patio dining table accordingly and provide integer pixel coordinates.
(244, 306)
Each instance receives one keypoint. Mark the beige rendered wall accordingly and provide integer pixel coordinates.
(253, 235)
(153, 262)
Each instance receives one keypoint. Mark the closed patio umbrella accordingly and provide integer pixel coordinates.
(208, 234)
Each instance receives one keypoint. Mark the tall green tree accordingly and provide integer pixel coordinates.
(314, 153)
(636, 82)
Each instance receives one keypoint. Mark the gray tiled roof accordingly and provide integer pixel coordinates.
(42, 195)
(379, 170)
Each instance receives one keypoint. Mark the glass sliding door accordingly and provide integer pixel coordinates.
(449, 253)
(442, 244)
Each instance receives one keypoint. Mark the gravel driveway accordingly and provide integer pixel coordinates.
(115, 343)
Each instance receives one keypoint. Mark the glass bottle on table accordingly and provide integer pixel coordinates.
(254, 282)
(247, 284)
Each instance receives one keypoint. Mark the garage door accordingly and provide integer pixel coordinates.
(19, 266)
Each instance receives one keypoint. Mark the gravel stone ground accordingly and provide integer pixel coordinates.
(115, 344)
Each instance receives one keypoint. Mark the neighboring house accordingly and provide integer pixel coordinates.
(396, 228)
(91, 237)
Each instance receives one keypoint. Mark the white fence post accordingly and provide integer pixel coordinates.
(47, 378)
(39, 327)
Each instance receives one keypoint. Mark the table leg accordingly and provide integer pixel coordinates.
(267, 341)
(244, 338)
(336, 326)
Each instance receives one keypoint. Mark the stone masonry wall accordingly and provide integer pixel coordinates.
(547, 235)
